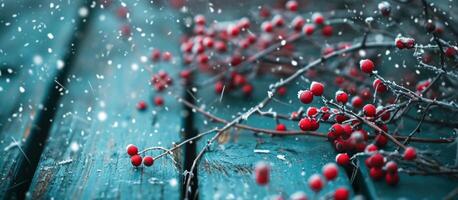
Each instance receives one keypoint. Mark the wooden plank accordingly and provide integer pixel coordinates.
(85, 155)
(32, 48)
(226, 170)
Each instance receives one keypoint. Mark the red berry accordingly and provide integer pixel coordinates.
(308, 29)
(262, 173)
(233, 31)
(167, 56)
(316, 183)
(122, 12)
(267, 27)
(377, 160)
(410, 153)
(236, 60)
(371, 148)
(199, 20)
(314, 124)
(312, 111)
(220, 46)
(381, 140)
(391, 167)
(392, 179)
(384, 8)
(278, 21)
(292, 5)
(348, 130)
(376, 173)
(450, 52)
(280, 127)
(340, 118)
(305, 124)
(357, 102)
(399, 43)
(298, 23)
(318, 18)
(341, 97)
(219, 86)
(281, 91)
(369, 110)
(317, 88)
(141, 105)
(247, 89)
(379, 86)
(132, 150)
(306, 96)
(337, 129)
(155, 55)
(244, 23)
(136, 160)
(341, 194)
(202, 58)
(159, 101)
(367, 66)
(148, 161)
(327, 31)
(330, 171)
(343, 159)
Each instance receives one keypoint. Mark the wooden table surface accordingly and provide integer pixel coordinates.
(69, 85)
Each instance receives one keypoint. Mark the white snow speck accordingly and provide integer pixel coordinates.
(21, 89)
(74, 146)
(102, 116)
(83, 12)
(50, 36)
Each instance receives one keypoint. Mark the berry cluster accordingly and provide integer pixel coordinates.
(136, 159)
(316, 182)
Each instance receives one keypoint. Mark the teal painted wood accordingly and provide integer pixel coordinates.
(85, 155)
(31, 49)
(226, 170)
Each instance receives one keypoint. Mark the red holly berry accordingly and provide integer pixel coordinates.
(292, 5)
(384, 8)
(122, 12)
(167, 56)
(199, 20)
(450, 52)
(327, 31)
(376, 173)
(383, 114)
(371, 148)
(337, 129)
(219, 86)
(341, 194)
(267, 27)
(317, 88)
(392, 179)
(308, 29)
(278, 21)
(330, 171)
(148, 161)
(202, 58)
(348, 130)
(281, 91)
(410, 153)
(247, 89)
(132, 150)
(233, 30)
(343, 159)
(298, 23)
(367, 66)
(357, 102)
(136, 160)
(262, 173)
(305, 124)
(159, 101)
(306, 96)
(314, 124)
(280, 127)
(341, 97)
(220, 46)
(317, 18)
(369, 110)
(379, 86)
(377, 160)
(312, 111)
(141, 105)
(325, 110)
(381, 140)
(315, 182)
(391, 167)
